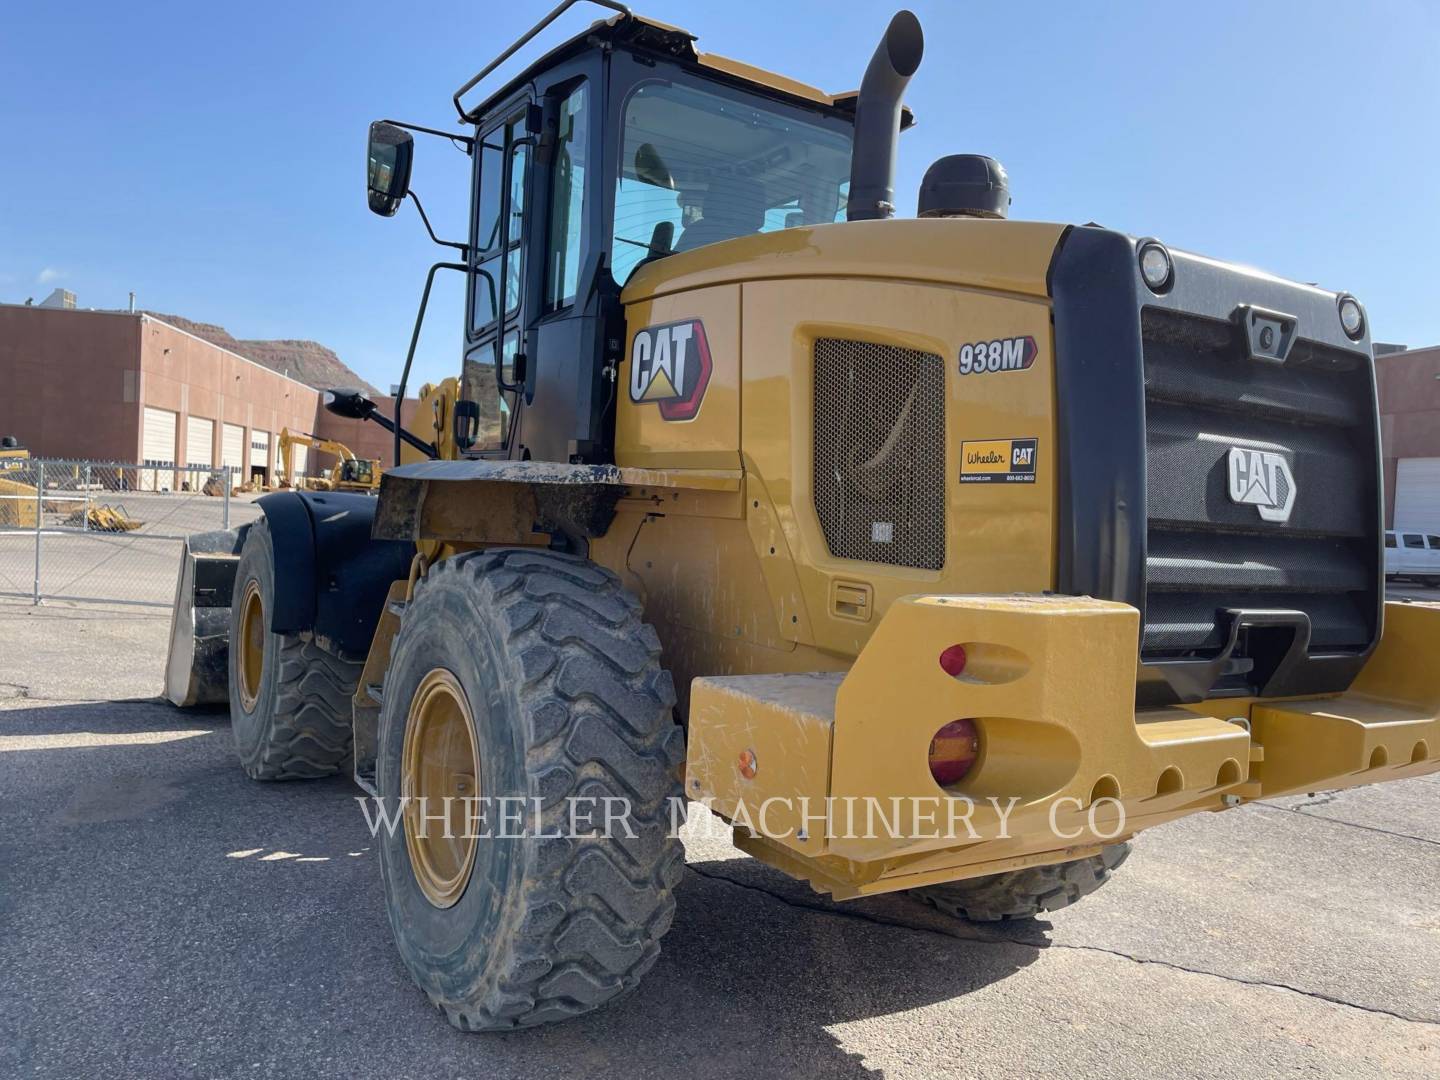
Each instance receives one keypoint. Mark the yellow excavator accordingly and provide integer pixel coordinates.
(351, 474)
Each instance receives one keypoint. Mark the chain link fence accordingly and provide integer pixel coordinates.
(106, 532)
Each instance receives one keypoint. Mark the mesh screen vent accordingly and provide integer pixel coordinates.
(880, 452)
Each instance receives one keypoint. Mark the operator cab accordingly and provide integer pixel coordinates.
(619, 148)
(356, 471)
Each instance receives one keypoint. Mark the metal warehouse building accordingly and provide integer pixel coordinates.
(128, 387)
(1409, 383)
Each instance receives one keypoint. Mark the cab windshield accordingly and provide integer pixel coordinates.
(702, 165)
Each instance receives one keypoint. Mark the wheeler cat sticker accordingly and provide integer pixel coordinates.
(670, 367)
(998, 461)
(1001, 354)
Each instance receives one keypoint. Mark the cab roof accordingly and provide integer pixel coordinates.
(654, 36)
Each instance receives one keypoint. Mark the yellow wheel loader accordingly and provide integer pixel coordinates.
(940, 555)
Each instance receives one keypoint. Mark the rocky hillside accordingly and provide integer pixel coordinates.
(306, 361)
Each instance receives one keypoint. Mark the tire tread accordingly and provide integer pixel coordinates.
(597, 711)
(307, 731)
(1024, 894)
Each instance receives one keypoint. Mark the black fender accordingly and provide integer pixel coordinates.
(331, 578)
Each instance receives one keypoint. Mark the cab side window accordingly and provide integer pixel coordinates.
(563, 255)
(1414, 540)
(1389, 540)
(495, 287)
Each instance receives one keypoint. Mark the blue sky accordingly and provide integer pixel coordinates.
(209, 157)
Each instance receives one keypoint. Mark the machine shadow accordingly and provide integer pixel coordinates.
(120, 716)
(758, 973)
(758, 976)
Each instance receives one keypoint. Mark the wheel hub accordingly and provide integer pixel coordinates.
(440, 761)
(251, 665)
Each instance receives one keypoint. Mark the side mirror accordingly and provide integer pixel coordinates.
(387, 173)
(351, 404)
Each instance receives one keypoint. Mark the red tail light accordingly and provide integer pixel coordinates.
(952, 660)
(954, 750)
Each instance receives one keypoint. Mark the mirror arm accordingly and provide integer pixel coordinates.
(462, 248)
(428, 449)
(400, 432)
(469, 143)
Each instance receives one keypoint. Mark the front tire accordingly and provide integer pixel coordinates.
(289, 699)
(535, 670)
(1023, 894)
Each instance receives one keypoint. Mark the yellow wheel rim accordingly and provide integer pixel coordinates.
(440, 761)
(251, 666)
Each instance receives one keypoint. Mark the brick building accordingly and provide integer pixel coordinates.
(129, 387)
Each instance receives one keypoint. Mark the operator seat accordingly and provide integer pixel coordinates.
(731, 206)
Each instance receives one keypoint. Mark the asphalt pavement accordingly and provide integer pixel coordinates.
(161, 915)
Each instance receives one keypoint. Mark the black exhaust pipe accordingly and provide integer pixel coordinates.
(877, 119)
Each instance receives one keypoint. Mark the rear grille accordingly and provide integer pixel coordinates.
(1205, 552)
(879, 455)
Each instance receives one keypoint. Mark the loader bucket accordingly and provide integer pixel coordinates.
(197, 667)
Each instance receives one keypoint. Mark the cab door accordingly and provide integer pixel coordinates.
(496, 304)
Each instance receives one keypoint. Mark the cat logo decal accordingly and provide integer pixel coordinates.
(670, 367)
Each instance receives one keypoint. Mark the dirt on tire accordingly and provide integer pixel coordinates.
(570, 702)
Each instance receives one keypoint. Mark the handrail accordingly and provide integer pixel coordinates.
(400, 431)
(564, 6)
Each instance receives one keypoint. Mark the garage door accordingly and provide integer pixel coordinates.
(260, 452)
(199, 445)
(1417, 494)
(232, 451)
(301, 455)
(158, 448)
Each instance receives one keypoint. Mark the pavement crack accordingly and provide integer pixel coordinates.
(1348, 824)
(1241, 980)
(982, 938)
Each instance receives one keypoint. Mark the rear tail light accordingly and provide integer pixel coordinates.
(952, 660)
(954, 749)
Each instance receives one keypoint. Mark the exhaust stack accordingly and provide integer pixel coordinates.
(877, 119)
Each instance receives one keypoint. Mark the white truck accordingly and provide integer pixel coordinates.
(1412, 556)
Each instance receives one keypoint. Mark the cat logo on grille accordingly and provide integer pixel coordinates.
(1263, 480)
(670, 367)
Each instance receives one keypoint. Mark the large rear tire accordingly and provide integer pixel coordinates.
(525, 674)
(289, 699)
(1023, 894)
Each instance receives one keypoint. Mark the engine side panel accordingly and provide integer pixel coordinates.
(730, 375)
(994, 443)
